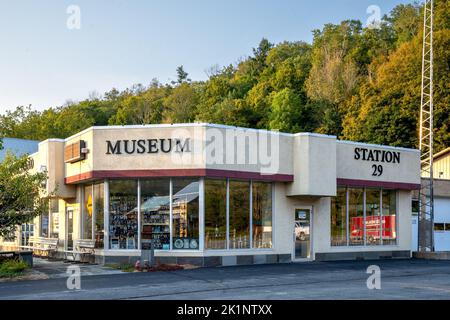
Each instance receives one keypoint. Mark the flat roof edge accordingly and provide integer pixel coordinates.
(223, 126)
(378, 146)
(52, 140)
(441, 154)
(176, 125)
(313, 134)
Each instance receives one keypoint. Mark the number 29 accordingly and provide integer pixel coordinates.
(377, 170)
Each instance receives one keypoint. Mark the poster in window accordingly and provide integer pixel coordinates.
(130, 243)
(114, 243)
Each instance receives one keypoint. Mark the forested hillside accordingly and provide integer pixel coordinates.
(357, 83)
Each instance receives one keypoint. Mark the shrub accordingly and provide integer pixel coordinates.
(12, 268)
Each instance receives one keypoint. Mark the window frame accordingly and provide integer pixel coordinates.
(225, 181)
(272, 200)
(381, 242)
(201, 213)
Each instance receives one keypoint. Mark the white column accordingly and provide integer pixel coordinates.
(251, 215)
(273, 214)
(381, 216)
(346, 215)
(106, 214)
(139, 212)
(93, 213)
(397, 217)
(228, 214)
(81, 214)
(201, 214)
(171, 214)
(50, 216)
(364, 216)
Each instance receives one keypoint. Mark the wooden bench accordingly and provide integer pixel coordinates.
(83, 248)
(42, 246)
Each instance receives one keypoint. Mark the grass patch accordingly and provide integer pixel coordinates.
(12, 268)
(112, 265)
(125, 267)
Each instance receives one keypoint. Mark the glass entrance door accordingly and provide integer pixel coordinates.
(69, 229)
(302, 241)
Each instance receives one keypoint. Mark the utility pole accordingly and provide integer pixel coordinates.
(426, 203)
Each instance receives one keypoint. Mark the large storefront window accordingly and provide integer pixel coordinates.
(123, 224)
(54, 218)
(156, 209)
(155, 214)
(356, 216)
(185, 213)
(389, 220)
(87, 212)
(239, 215)
(339, 218)
(373, 222)
(215, 214)
(44, 225)
(380, 226)
(240, 220)
(99, 227)
(262, 214)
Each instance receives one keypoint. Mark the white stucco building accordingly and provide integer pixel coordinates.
(213, 195)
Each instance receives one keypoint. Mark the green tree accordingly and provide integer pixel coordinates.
(20, 193)
(338, 65)
(290, 113)
(145, 108)
(334, 71)
(182, 76)
(259, 56)
(406, 21)
(181, 105)
(386, 109)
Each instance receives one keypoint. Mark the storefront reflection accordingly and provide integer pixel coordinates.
(185, 214)
(302, 233)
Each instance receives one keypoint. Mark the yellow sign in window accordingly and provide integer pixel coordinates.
(89, 205)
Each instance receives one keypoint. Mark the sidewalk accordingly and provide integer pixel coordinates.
(44, 269)
(54, 269)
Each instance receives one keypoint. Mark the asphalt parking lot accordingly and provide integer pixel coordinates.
(400, 279)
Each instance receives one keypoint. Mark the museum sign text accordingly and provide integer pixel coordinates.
(141, 146)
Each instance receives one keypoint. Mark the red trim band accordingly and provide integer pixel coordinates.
(103, 174)
(381, 184)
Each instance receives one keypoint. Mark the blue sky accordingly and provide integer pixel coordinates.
(43, 63)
